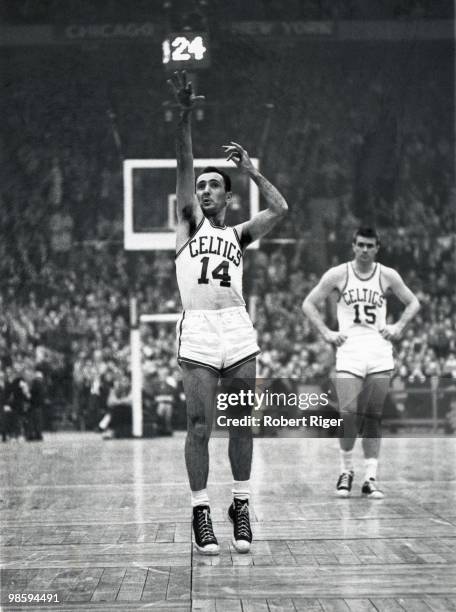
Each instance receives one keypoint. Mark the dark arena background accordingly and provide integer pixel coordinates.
(349, 108)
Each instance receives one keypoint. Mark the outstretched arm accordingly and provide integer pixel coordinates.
(265, 220)
(188, 211)
(332, 279)
(407, 297)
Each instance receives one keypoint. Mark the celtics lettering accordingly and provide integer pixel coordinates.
(364, 295)
(215, 245)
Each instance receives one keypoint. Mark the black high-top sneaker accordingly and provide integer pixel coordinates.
(238, 513)
(371, 490)
(344, 484)
(205, 540)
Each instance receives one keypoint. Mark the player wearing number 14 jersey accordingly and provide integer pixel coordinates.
(215, 337)
(364, 351)
(215, 330)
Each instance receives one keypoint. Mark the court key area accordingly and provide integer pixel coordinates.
(105, 525)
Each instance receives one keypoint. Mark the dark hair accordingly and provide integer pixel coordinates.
(366, 232)
(226, 178)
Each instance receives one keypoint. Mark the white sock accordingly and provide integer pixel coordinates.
(241, 489)
(371, 468)
(346, 461)
(200, 498)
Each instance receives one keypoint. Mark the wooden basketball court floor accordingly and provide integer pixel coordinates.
(105, 525)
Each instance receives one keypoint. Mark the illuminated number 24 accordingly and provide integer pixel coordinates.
(184, 49)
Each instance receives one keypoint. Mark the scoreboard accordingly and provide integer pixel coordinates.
(186, 50)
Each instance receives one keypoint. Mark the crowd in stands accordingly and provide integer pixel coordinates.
(65, 279)
(79, 335)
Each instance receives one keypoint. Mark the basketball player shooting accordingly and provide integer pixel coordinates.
(364, 350)
(215, 336)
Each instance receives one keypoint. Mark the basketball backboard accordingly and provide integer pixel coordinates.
(150, 200)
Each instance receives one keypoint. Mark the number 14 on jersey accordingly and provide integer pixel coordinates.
(219, 273)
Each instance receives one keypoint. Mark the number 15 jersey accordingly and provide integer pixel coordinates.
(209, 268)
(362, 304)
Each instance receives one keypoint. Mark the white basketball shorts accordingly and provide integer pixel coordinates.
(365, 354)
(216, 339)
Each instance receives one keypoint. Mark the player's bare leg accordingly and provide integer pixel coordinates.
(240, 450)
(240, 445)
(377, 387)
(200, 385)
(348, 388)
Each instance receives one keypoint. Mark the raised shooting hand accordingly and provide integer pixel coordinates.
(183, 91)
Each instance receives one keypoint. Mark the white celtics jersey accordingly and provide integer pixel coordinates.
(362, 304)
(209, 268)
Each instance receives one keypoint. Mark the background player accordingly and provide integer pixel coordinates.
(364, 358)
(215, 335)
